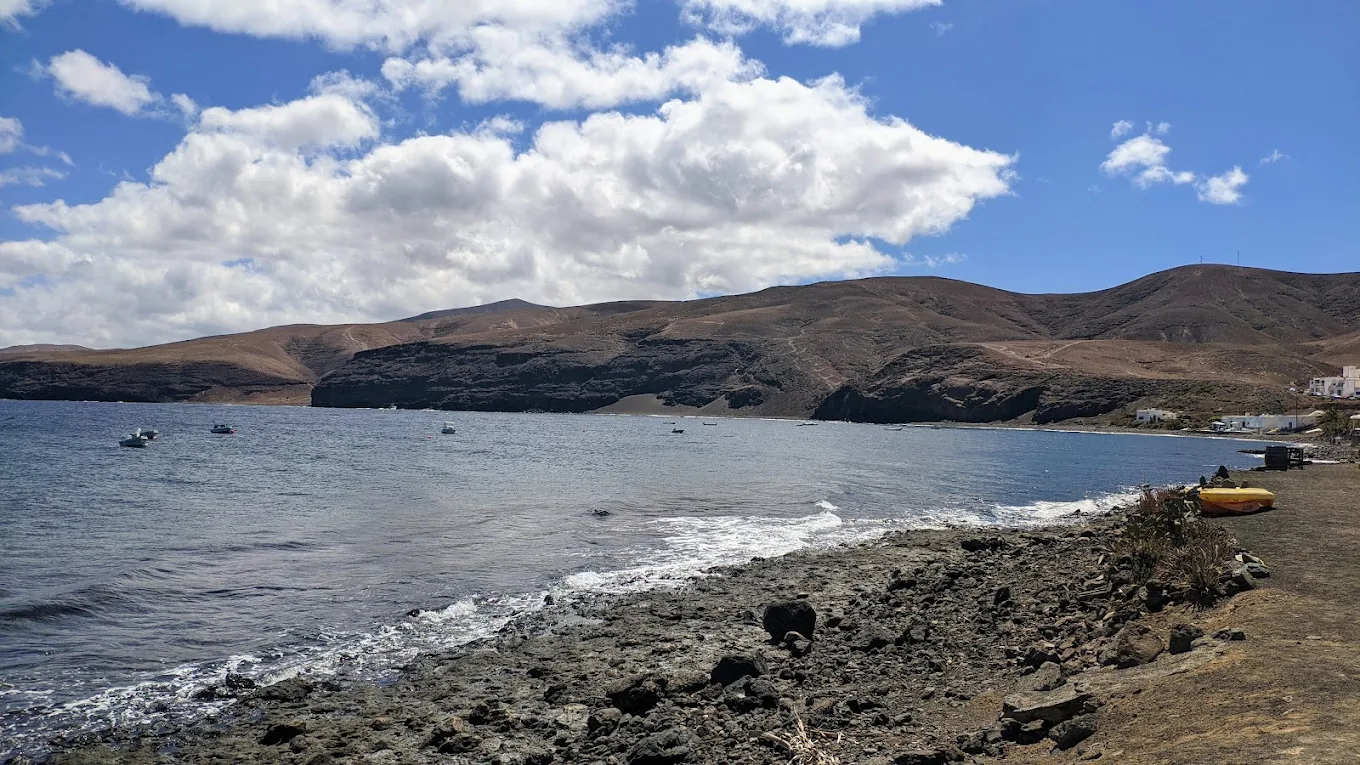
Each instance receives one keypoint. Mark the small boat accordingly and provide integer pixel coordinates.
(807, 424)
(710, 424)
(448, 429)
(677, 430)
(224, 430)
(1234, 501)
(136, 441)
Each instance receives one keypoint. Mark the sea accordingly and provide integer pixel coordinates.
(130, 579)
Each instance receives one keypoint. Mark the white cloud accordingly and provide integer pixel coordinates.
(941, 28)
(1143, 158)
(1161, 128)
(830, 23)
(11, 134)
(85, 78)
(1275, 156)
(503, 65)
(392, 25)
(749, 184)
(1225, 189)
(11, 10)
(29, 176)
(186, 105)
(1121, 129)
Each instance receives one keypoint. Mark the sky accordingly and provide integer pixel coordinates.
(176, 168)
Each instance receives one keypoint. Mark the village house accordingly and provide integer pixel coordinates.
(1345, 386)
(1266, 423)
(1148, 416)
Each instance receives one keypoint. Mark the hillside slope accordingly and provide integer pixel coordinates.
(880, 349)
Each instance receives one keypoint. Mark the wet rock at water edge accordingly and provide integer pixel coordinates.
(282, 733)
(292, 689)
(669, 747)
(734, 667)
(1183, 637)
(236, 683)
(791, 616)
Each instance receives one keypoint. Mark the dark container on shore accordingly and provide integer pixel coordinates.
(1283, 457)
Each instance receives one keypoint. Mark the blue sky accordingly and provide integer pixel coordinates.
(1025, 189)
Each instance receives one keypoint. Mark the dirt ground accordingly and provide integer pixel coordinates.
(1291, 692)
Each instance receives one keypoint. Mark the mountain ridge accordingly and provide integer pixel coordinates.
(939, 348)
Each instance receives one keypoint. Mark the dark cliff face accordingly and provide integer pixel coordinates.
(545, 378)
(66, 381)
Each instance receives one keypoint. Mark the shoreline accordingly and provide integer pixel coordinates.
(920, 637)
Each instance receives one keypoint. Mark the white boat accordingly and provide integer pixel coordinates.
(448, 429)
(137, 440)
(150, 434)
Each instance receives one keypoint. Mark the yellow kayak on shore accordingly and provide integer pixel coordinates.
(1234, 501)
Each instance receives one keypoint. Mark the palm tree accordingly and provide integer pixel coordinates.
(1335, 423)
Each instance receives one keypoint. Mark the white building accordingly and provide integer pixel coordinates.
(1156, 415)
(1345, 386)
(1267, 423)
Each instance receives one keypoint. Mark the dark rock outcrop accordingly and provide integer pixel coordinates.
(792, 616)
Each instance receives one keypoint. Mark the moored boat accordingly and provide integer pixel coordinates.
(448, 429)
(1234, 501)
(137, 440)
(224, 430)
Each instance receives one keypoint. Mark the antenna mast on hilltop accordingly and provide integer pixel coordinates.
(1239, 258)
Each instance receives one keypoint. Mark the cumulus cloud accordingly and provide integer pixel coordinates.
(300, 212)
(829, 23)
(392, 25)
(83, 77)
(29, 176)
(11, 10)
(503, 65)
(1143, 158)
(1225, 189)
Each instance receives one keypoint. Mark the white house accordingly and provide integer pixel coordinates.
(1345, 386)
(1265, 423)
(1156, 415)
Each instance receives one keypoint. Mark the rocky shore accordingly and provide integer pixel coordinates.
(961, 645)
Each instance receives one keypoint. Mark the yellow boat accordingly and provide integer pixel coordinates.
(1234, 501)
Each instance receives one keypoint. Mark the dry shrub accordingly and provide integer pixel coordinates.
(802, 749)
(1199, 563)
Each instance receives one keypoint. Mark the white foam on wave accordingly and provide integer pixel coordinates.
(690, 548)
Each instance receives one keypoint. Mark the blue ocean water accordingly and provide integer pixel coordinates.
(129, 578)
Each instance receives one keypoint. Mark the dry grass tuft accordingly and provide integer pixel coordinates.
(803, 750)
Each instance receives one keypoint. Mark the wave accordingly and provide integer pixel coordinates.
(688, 548)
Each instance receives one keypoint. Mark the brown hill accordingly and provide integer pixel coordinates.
(886, 349)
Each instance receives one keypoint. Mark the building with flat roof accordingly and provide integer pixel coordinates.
(1345, 386)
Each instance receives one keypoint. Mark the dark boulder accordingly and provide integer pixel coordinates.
(920, 757)
(237, 682)
(982, 544)
(1183, 637)
(793, 616)
(669, 747)
(1230, 633)
(1069, 733)
(637, 695)
(872, 639)
(734, 667)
